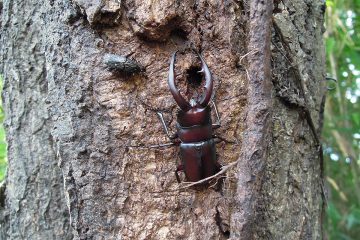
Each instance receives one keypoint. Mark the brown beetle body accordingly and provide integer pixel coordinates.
(194, 130)
(197, 147)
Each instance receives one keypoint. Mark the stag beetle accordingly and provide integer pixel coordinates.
(194, 127)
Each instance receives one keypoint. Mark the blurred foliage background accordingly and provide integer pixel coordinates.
(341, 135)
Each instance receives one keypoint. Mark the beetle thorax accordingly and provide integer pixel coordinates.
(195, 116)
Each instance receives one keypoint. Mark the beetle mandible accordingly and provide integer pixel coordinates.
(194, 128)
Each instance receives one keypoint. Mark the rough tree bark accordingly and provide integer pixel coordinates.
(74, 127)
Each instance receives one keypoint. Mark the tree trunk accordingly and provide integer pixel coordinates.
(78, 125)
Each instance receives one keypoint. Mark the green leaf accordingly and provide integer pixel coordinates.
(330, 44)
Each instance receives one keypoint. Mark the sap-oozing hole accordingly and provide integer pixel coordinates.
(226, 234)
(194, 77)
(178, 33)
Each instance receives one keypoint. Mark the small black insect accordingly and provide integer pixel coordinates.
(121, 64)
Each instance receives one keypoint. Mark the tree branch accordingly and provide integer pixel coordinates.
(222, 171)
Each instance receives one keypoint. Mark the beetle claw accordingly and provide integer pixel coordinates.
(181, 102)
(209, 82)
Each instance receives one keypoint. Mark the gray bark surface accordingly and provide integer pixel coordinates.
(75, 124)
(35, 206)
(292, 193)
(246, 217)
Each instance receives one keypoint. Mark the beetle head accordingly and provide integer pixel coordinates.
(201, 102)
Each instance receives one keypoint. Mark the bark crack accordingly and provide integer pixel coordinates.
(305, 107)
(247, 213)
(224, 228)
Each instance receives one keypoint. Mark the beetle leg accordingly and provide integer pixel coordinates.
(170, 144)
(179, 168)
(218, 123)
(171, 137)
(164, 145)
